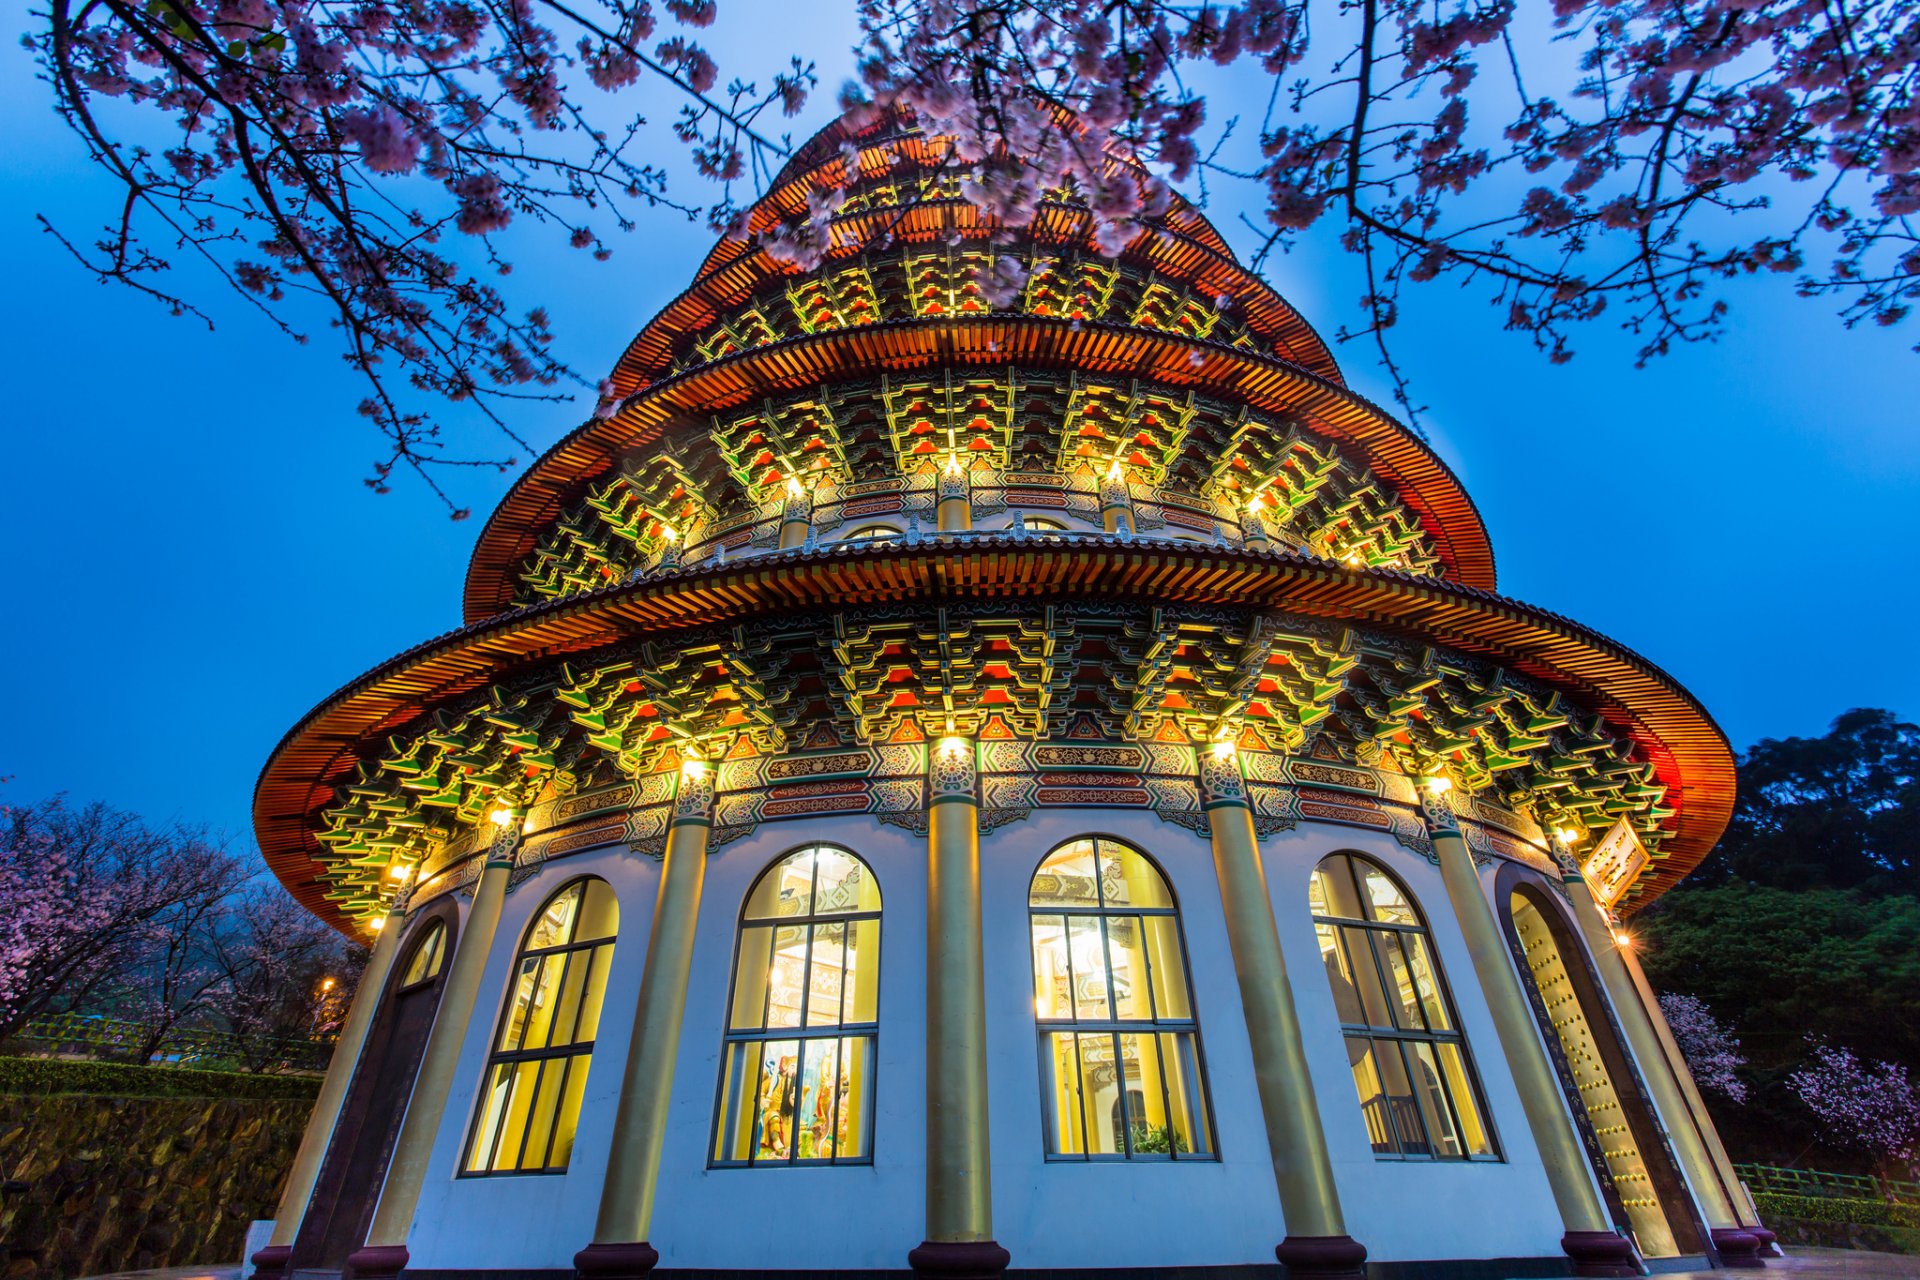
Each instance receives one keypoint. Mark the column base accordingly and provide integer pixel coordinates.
(271, 1262)
(1601, 1253)
(1738, 1247)
(959, 1260)
(1769, 1242)
(616, 1261)
(377, 1262)
(1322, 1257)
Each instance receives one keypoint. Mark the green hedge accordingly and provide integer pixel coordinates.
(122, 1080)
(1865, 1213)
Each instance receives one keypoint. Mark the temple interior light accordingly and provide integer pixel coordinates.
(693, 767)
(1223, 749)
(1437, 783)
(952, 748)
(793, 487)
(1567, 835)
(399, 871)
(501, 817)
(953, 464)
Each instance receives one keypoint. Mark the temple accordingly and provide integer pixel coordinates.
(940, 781)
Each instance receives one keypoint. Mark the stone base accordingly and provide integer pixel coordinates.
(377, 1262)
(959, 1260)
(1738, 1247)
(271, 1262)
(616, 1261)
(1769, 1242)
(1601, 1253)
(1322, 1257)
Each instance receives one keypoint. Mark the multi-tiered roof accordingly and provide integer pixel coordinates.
(1305, 570)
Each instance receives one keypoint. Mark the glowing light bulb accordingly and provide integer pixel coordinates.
(1113, 472)
(953, 748)
(501, 817)
(793, 487)
(326, 984)
(1567, 835)
(667, 531)
(693, 767)
(1438, 783)
(399, 871)
(1223, 749)
(1622, 939)
(953, 464)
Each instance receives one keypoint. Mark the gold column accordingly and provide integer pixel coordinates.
(1116, 502)
(1590, 1240)
(959, 1239)
(385, 1252)
(269, 1262)
(796, 516)
(954, 510)
(620, 1249)
(1316, 1243)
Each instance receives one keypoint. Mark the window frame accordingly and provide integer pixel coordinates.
(576, 1049)
(427, 933)
(1155, 1027)
(1443, 993)
(801, 1032)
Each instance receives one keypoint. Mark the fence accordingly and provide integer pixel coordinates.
(95, 1037)
(1762, 1179)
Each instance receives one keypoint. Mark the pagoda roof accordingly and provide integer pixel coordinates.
(1687, 750)
(680, 405)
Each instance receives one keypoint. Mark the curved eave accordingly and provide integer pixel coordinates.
(1689, 753)
(1160, 249)
(1413, 472)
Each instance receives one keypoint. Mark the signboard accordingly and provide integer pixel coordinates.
(1615, 864)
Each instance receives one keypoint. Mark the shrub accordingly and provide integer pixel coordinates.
(113, 1079)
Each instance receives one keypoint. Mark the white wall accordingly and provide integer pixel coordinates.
(1404, 1210)
(536, 1220)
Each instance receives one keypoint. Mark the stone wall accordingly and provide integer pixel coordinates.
(96, 1183)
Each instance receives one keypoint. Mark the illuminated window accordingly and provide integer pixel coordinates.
(869, 533)
(1039, 524)
(796, 1080)
(538, 1071)
(1410, 1064)
(1120, 1069)
(427, 956)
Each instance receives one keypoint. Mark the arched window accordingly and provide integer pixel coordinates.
(428, 954)
(538, 1070)
(1409, 1060)
(1038, 524)
(869, 533)
(796, 1080)
(1120, 1070)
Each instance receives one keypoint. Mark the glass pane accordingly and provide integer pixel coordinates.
(1431, 1094)
(490, 1109)
(555, 924)
(1346, 996)
(787, 976)
(1126, 961)
(1333, 890)
(1375, 1010)
(739, 1113)
(515, 1023)
(1186, 1094)
(1100, 1094)
(1089, 968)
(1061, 1067)
(426, 955)
(1066, 878)
(855, 1101)
(750, 974)
(569, 1118)
(775, 1098)
(513, 1126)
(540, 1021)
(1051, 980)
(1426, 981)
(1384, 898)
(1129, 880)
(599, 914)
(1466, 1105)
(1373, 1098)
(844, 884)
(786, 890)
(1400, 989)
(1170, 994)
(1402, 1109)
(863, 972)
(826, 975)
(573, 984)
(1147, 1132)
(540, 1121)
(588, 1027)
(819, 1081)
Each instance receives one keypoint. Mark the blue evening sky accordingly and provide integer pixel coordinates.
(196, 562)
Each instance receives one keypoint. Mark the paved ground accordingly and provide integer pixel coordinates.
(1800, 1263)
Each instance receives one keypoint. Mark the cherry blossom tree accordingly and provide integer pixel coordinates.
(1620, 158)
(1870, 1106)
(286, 976)
(1710, 1049)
